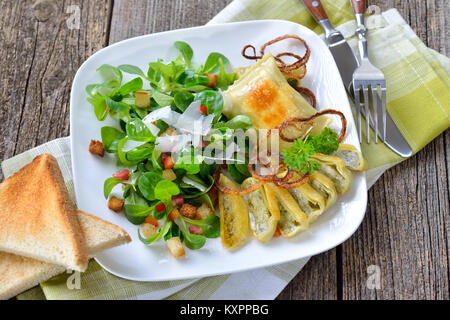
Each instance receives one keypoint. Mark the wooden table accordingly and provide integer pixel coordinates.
(407, 221)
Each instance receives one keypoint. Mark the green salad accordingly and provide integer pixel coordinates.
(157, 185)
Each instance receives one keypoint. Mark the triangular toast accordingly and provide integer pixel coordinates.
(18, 273)
(37, 218)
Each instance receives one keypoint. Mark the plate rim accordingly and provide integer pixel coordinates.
(213, 26)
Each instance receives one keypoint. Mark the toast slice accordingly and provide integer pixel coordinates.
(18, 273)
(37, 218)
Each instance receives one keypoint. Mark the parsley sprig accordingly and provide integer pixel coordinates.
(298, 156)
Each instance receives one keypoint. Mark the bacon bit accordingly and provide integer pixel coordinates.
(277, 233)
(96, 147)
(214, 195)
(122, 175)
(151, 220)
(160, 207)
(178, 200)
(195, 230)
(174, 214)
(167, 161)
(202, 144)
(212, 80)
(203, 110)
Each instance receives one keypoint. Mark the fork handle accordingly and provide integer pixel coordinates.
(359, 7)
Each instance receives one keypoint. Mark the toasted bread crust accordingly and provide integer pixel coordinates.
(36, 214)
(126, 236)
(18, 273)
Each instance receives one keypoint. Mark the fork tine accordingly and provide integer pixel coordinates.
(375, 110)
(367, 111)
(383, 109)
(358, 110)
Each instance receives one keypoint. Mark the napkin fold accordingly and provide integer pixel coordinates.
(418, 101)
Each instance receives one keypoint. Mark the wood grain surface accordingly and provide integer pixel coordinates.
(405, 231)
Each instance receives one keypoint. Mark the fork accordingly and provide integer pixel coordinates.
(367, 78)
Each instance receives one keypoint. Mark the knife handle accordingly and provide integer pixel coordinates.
(359, 6)
(316, 9)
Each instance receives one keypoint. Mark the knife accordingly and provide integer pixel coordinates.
(347, 63)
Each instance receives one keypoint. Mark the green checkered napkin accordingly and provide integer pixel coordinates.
(418, 101)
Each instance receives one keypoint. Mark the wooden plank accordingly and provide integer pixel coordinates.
(445, 176)
(135, 17)
(406, 225)
(317, 281)
(404, 233)
(41, 55)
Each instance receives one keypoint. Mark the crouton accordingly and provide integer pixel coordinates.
(212, 80)
(169, 132)
(151, 220)
(188, 211)
(174, 214)
(175, 247)
(168, 175)
(96, 147)
(149, 230)
(115, 204)
(142, 99)
(204, 211)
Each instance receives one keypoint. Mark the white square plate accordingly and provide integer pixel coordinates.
(135, 261)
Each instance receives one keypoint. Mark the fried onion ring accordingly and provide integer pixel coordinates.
(254, 57)
(300, 62)
(235, 192)
(285, 68)
(302, 137)
(291, 121)
(293, 184)
(309, 94)
(293, 75)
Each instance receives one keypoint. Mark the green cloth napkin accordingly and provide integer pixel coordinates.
(418, 101)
